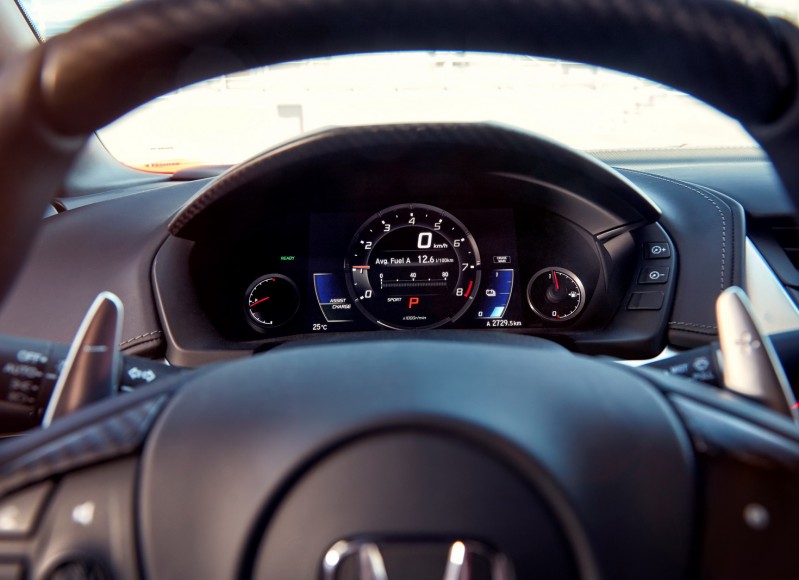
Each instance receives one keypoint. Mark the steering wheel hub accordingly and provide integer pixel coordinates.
(419, 438)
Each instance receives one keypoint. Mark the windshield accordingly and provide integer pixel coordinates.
(228, 119)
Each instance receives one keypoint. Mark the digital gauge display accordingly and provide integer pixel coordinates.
(413, 266)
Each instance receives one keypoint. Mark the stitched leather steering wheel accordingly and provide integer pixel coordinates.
(288, 465)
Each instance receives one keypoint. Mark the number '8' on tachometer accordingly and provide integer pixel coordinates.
(413, 266)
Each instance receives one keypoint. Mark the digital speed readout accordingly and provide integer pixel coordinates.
(413, 266)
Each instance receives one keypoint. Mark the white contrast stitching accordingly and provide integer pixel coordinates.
(723, 236)
(721, 215)
(134, 339)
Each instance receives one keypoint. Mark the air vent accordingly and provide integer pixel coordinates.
(787, 236)
(777, 239)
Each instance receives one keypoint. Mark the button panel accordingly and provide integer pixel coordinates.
(700, 364)
(29, 370)
(654, 275)
(657, 251)
(20, 511)
(657, 268)
(646, 301)
(643, 319)
(78, 527)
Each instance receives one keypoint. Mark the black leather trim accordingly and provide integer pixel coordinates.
(106, 246)
(709, 231)
(150, 344)
(753, 184)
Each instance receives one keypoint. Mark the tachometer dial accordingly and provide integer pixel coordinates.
(556, 294)
(272, 300)
(413, 266)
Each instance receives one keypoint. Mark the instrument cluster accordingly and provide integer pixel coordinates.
(415, 266)
(412, 228)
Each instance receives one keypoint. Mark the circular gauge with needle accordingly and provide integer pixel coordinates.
(556, 294)
(272, 300)
(413, 266)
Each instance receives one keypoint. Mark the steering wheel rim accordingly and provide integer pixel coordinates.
(46, 91)
(721, 52)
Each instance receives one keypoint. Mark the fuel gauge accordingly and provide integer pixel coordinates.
(556, 294)
(272, 300)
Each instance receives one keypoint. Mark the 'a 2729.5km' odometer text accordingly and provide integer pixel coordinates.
(413, 266)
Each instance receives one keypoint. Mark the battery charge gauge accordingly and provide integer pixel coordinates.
(556, 294)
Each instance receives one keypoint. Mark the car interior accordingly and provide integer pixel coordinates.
(397, 350)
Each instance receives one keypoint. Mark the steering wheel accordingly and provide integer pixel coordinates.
(412, 455)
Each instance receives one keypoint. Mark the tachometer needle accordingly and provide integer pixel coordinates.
(257, 302)
(555, 278)
(361, 267)
(468, 289)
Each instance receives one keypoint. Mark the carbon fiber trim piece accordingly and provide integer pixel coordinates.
(718, 50)
(504, 149)
(113, 437)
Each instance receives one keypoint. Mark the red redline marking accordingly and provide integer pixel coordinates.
(469, 289)
(795, 406)
(257, 302)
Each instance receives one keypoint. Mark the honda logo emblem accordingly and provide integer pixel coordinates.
(414, 560)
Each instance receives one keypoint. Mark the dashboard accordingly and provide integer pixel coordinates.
(186, 256)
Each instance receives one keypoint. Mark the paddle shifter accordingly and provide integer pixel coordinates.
(92, 364)
(750, 365)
